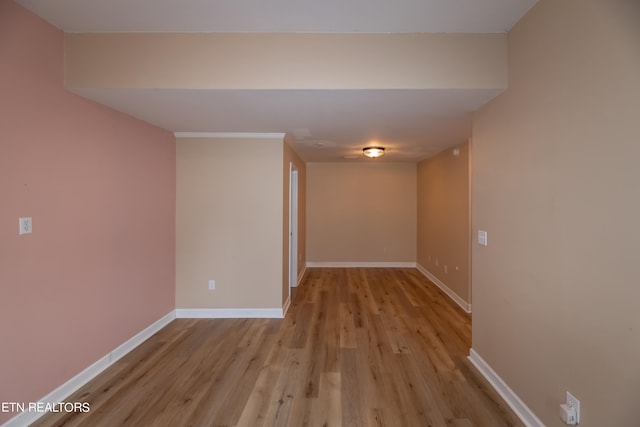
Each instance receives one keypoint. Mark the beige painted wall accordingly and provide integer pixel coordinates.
(229, 223)
(286, 61)
(444, 219)
(361, 212)
(291, 157)
(555, 183)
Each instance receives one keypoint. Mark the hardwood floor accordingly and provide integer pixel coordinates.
(358, 347)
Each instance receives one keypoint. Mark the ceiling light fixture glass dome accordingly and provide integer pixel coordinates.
(373, 152)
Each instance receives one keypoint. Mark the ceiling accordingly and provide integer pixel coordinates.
(344, 16)
(326, 125)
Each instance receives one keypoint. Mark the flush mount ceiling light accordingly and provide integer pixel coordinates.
(373, 152)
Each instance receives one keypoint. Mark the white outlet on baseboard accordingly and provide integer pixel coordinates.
(212, 285)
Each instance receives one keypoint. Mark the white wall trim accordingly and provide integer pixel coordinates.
(286, 305)
(447, 290)
(301, 275)
(519, 407)
(227, 135)
(71, 386)
(229, 313)
(362, 264)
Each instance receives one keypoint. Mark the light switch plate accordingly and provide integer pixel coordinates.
(482, 238)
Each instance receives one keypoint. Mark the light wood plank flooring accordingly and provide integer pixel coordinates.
(359, 347)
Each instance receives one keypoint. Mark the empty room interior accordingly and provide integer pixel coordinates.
(191, 232)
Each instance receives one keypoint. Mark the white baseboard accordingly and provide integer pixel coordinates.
(301, 275)
(68, 388)
(447, 290)
(229, 313)
(519, 407)
(362, 264)
(286, 305)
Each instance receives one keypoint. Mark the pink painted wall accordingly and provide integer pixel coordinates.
(100, 187)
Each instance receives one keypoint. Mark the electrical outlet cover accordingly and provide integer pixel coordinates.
(26, 225)
(575, 404)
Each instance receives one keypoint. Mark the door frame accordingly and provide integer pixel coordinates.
(293, 226)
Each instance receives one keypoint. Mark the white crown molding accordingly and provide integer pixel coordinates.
(229, 313)
(68, 388)
(230, 135)
(513, 400)
(447, 290)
